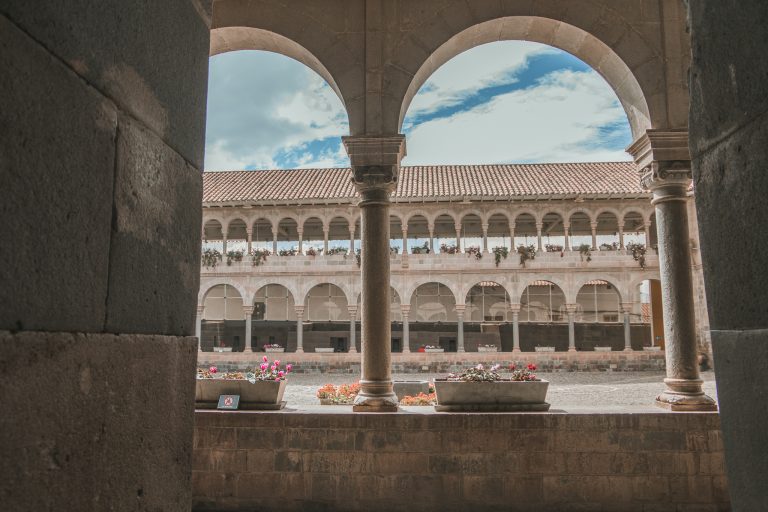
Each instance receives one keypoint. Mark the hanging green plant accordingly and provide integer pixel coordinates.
(422, 249)
(234, 256)
(337, 250)
(585, 250)
(259, 256)
(638, 252)
(210, 258)
(499, 253)
(475, 251)
(526, 253)
(357, 257)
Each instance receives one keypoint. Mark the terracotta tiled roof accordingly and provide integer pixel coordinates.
(439, 182)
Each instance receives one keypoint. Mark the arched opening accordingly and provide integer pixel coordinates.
(581, 231)
(395, 235)
(471, 234)
(525, 231)
(262, 235)
(647, 311)
(433, 317)
(313, 237)
(326, 303)
(274, 318)
(419, 241)
(598, 302)
(213, 236)
(553, 232)
(633, 229)
(607, 232)
(487, 301)
(445, 235)
(338, 236)
(542, 302)
(498, 231)
(223, 322)
(237, 237)
(287, 237)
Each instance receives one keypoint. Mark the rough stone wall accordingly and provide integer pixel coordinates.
(102, 119)
(728, 133)
(426, 462)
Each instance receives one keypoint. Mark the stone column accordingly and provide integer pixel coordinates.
(515, 310)
(566, 230)
(460, 308)
(405, 242)
(458, 237)
(431, 238)
(621, 238)
(352, 241)
(512, 247)
(274, 243)
(248, 310)
(375, 164)
(224, 243)
(199, 327)
(666, 172)
(486, 249)
(571, 309)
(626, 308)
(301, 240)
(405, 309)
(647, 229)
(593, 225)
(249, 234)
(539, 227)
(352, 329)
(325, 241)
(299, 328)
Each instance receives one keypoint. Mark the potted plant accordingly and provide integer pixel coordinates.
(273, 347)
(500, 253)
(487, 348)
(638, 253)
(333, 251)
(259, 256)
(404, 388)
(287, 252)
(448, 249)
(262, 388)
(481, 389)
(475, 251)
(311, 251)
(345, 394)
(234, 256)
(433, 349)
(422, 399)
(421, 249)
(553, 248)
(526, 253)
(585, 251)
(210, 258)
(609, 247)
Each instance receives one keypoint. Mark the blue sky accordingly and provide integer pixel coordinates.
(502, 102)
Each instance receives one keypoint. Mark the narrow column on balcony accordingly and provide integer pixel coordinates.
(405, 309)
(621, 238)
(571, 309)
(405, 241)
(325, 240)
(300, 230)
(593, 226)
(375, 164)
(486, 250)
(539, 227)
(666, 171)
(431, 227)
(248, 311)
(352, 240)
(352, 329)
(249, 235)
(512, 247)
(460, 308)
(626, 308)
(199, 327)
(567, 243)
(274, 243)
(515, 310)
(457, 226)
(224, 242)
(299, 328)
(647, 229)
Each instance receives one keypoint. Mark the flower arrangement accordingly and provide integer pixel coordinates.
(448, 249)
(259, 256)
(488, 345)
(430, 346)
(313, 252)
(526, 253)
(476, 374)
(265, 372)
(234, 256)
(287, 252)
(586, 252)
(420, 399)
(523, 374)
(499, 253)
(609, 247)
(638, 252)
(344, 394)
(421, 249)
(475, 251)
(394, 250)
(553, 248)
(210, 258)
(273, 345)
(337, 250)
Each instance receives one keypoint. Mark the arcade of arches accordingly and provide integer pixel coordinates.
(103, 165)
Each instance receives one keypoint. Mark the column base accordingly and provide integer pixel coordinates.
(352, 350)
(628, 349)
(685, 395)
(572, 349)
(376, 396)
(516, 350)
(299, 350)
(375, 408)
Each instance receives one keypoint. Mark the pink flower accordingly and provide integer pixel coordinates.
(273, 367)
(281, 373)
(263, 367)
(288, 367)
(531, 366)
(265, 359)
(277, 379)
(277, 362)
(213, 369)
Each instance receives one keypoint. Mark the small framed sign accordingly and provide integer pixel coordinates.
(229, 402)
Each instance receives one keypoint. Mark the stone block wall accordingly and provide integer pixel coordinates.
(413, 461)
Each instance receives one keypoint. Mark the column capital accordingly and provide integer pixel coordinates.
(484, 226)
(514, 308)
(248, 310)
(571, 308)
(405, 309)
(200, 310)
(457, 226)
(539, 226)
(352, 309)
(667, 180)
(375, 161)
(593, 224)
(460, 308)
(660, 146)
(249, 231)
(626, 307)
(299, 310)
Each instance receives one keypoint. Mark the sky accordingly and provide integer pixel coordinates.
(503, 102)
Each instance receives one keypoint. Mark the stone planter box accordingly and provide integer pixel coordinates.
(434, 350)
(545, 349)
(267, 394)
(410, 388)
(281, 349)
(491, 396)
(324, 350)
(652, 349)
(603, 349)
(222, 349)
(487, 349)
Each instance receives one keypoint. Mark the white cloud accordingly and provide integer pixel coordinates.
(262, 105)
(556, 120)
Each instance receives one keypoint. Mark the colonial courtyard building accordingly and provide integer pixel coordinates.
(503, 257)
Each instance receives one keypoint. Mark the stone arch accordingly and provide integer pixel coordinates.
(497, 314)
(336, 308)
(542, 307)
(497, 211)
(204, 289)
(286, 282)
(438, 213)
(209, 228)
(268, 311)
(633, 209)
(525, 211)
(410, 289)
(208, 217)
(602, 298)
(417, 213)
(608, 209)
(580, 209)
(472, 211)
(435, 310)
(639, 58)
(582, 281)
(342, 284)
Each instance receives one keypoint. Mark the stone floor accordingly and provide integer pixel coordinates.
(605, 391)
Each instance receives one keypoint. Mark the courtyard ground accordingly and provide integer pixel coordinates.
(599, 390)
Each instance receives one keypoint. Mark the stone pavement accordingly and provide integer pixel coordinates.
(583, 390)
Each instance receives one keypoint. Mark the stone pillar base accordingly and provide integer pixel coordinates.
(299, 350)
(376, 396)
(627, 349)
(352, 350)
(685, 395)
(572, 349)
(375, 408)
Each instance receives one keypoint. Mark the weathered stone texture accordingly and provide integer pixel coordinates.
(154, 264)
(128, 55)
(56, 168)
(532, 462)
(91, 422)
